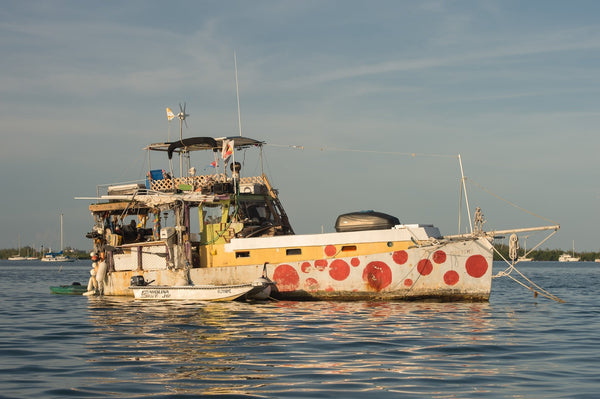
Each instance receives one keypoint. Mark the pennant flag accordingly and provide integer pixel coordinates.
(227, 149)
(213, 164)
(170, 114)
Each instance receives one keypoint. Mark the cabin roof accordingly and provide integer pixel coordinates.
(203, 143)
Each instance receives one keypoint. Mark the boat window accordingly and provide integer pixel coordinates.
(242, 254)
(255, 212)
(293, 251)
(212, 213)
(348, 248)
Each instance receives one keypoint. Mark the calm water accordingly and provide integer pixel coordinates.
(516, 345)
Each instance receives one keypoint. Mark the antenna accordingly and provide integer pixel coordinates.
(237, 92)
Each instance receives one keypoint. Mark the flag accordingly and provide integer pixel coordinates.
(227, 149)
(170, 114)
(213, 164)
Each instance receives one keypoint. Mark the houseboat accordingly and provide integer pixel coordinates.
(226, 229)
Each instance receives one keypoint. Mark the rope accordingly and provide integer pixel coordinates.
(537, 290)
(510, 203)
(513, 249)
(412, 154)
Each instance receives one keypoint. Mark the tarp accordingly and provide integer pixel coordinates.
(192, 144)
(365, 220)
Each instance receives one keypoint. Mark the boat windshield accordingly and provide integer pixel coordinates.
(256, 213)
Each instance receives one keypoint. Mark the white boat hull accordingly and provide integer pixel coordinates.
(57, 259)
(568, 258)
(454, 270)
(201, 292)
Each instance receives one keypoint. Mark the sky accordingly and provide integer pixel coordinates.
(363, 105)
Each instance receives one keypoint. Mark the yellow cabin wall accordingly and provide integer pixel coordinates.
(215, 255)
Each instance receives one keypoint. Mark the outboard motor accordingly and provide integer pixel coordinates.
(262, 288)
(138, 281)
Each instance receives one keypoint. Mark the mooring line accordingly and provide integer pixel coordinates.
(337, 149)
(537, 290)
(508, 202)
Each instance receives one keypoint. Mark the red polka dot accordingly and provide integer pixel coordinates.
(424, 267)
(339, 270)
(330, 250)
(476, 265)
(311, 284)
(286, 277)
(408, 282)
(320, 264)
(439, 257)
(354, 262)
(451, 277)
(305, 267)
(400, 257)
(378, 275)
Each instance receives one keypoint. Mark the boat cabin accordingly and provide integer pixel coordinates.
(180, 219)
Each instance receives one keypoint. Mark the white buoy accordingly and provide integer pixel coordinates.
(100, 275)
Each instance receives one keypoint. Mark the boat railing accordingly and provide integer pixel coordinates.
(189, 183)
(207, 184)
(203, 183)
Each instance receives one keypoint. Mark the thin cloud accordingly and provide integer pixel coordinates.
(585, 38)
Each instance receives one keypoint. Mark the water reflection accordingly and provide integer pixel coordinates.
(89, 347)
(280, 347)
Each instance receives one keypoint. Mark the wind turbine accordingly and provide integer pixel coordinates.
(182, 116)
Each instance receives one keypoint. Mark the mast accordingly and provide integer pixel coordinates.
(61, 232)
(237, 92)
(464, 186)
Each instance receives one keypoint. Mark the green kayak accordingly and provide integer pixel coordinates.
(73, 289)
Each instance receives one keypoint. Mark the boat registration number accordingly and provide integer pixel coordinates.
(155, 294)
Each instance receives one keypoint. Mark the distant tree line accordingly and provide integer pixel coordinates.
(548, 255)
(29, 251)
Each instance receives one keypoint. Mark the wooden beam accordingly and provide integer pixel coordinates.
(119, 206)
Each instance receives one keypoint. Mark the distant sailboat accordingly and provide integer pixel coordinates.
(525, 258)
(18, 257)
(32, 256)
(57, 256)
(566, 257)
